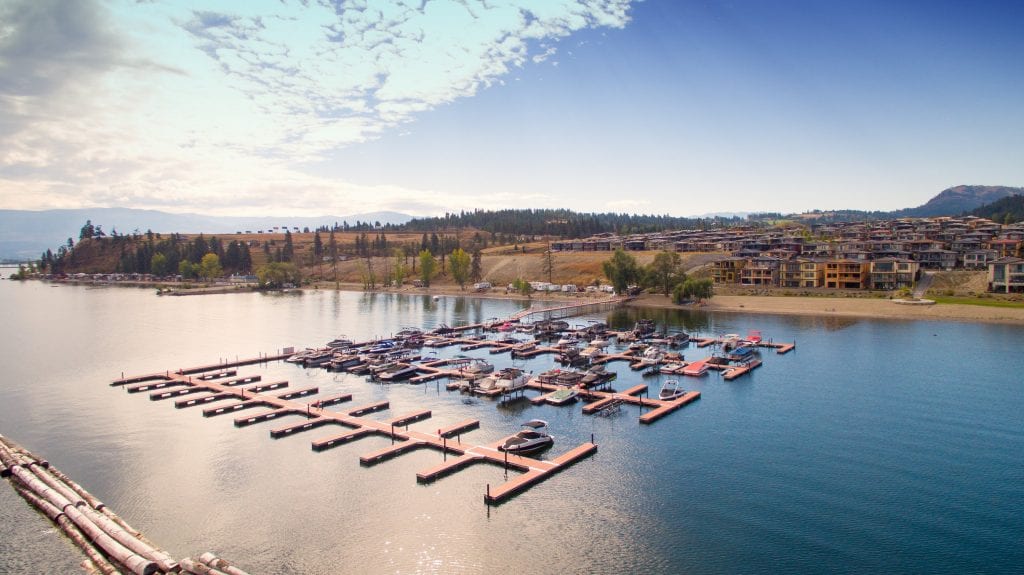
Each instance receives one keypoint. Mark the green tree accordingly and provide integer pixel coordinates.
(476, 272)
(276, 275)
(664, 273)
(399, 271)
(158, 265)
(522, 286)
(459, 262)
(427, 267)
(87, 230)
(186, 269)
(288, 253)
(693, 289)
(210, 268)
(621, 270)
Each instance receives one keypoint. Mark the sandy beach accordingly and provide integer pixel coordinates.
(847, 307)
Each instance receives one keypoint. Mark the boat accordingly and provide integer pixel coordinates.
(476, 368)
(753, 337)
(533, 438)
(596, 376)
(510, 379)
(435, 342)
(383, 346)
(523, 349)
(643, 328)
(340, 341)
(400, 372)
(672, 368)
(571, 356)
(670, 390)
(563, 396)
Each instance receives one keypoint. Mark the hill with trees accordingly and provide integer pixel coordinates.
(1008, 210)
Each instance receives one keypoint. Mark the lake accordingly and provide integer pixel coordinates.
(876, 446)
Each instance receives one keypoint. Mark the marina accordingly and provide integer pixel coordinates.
(752, 453)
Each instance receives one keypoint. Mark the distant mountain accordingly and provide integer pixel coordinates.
(26, 234)
(959, 200)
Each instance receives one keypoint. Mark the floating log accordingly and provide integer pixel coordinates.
(133, 561)
(218, 563)
(191, 566)
(73, 533)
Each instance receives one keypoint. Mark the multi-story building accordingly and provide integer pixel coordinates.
(760, 272)
(846, 274)
(1006, 275)
(727, 271)
(891, 274)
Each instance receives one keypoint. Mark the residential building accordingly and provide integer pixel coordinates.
(846, 274)
(1006, 275)
(892, 274)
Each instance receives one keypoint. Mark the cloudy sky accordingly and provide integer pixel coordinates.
(310, 107)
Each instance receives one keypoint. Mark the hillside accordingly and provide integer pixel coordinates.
(1007, 210)
(959, 200)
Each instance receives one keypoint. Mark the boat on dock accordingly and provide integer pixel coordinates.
(671, 390)
(534, 437)
(524, 349)
(597, 376)
(563, 396)
(400, 372)
(475, 368)
(340, 341)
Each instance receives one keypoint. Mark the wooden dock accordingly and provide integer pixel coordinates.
(397, 428)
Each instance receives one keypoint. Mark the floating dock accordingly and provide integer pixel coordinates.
(317, 415)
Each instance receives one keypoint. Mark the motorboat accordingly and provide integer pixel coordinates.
(400, 372)
(476, 368)
(597, 375)
(533, 438)
(563, 396)
(670, 390)
(510, 379)
(340, 341)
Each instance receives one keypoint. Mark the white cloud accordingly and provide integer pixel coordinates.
(153, 105)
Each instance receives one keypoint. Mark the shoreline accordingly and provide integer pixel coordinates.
(865, 308)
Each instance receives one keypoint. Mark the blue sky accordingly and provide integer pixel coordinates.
(684, 108)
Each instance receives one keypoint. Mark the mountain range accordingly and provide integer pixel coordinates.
(26, 234)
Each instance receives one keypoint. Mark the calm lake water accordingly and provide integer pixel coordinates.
(877, 446)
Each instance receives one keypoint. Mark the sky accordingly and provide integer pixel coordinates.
(315, 107)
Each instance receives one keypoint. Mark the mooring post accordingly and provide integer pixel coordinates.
(506, 462)
(392, 434)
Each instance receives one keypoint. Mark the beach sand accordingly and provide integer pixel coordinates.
(845, 307)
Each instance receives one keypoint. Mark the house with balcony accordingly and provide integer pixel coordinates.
(846, 274)
(891, 274)
(760, 271)
(1006, 275)
(978, 259)
(937, 259)
(727, 271)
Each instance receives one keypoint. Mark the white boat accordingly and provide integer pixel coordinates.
(534, 437)
(512, 379)
(563, 396)
(670, 390)
(476, 368)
